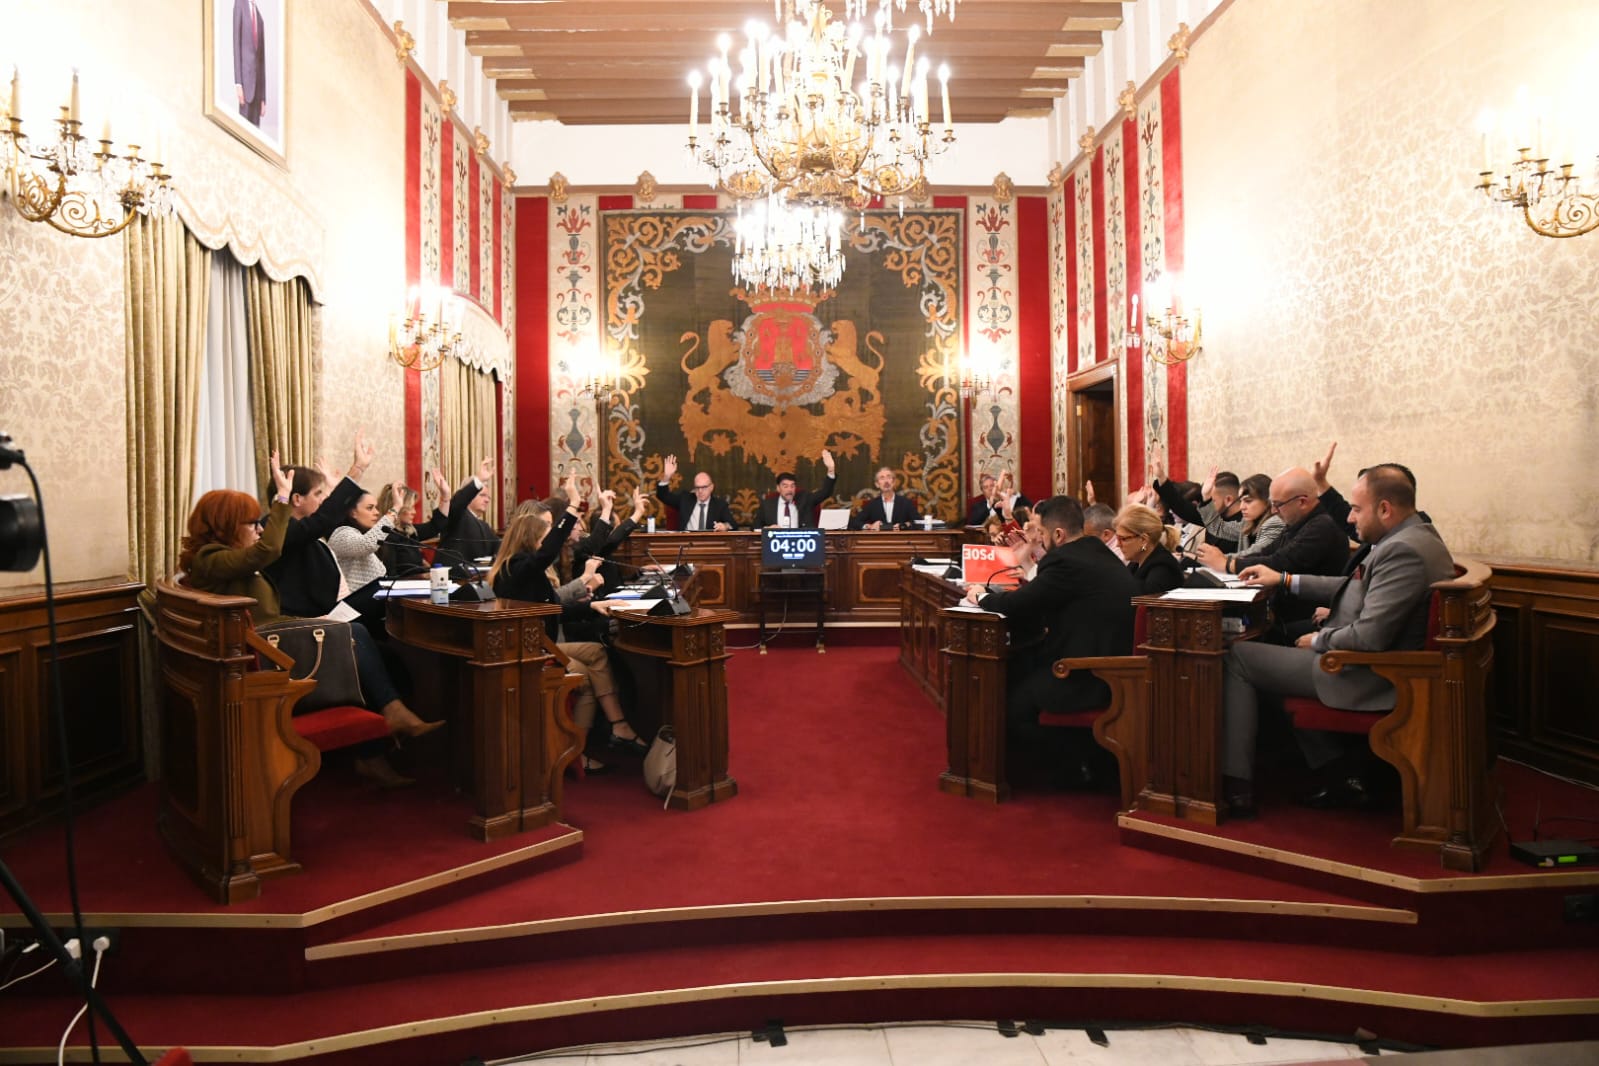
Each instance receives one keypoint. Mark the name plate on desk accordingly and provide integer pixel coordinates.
(989, 564)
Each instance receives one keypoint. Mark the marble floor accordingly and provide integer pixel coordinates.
(954, 1044)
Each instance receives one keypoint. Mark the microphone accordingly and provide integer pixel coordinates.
(476, 590)
(673, 603)
(988, 586)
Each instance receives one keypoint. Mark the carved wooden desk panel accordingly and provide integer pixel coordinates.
(513, 732)
(976, 644)
(691, 651)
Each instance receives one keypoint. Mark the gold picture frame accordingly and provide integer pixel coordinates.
(246, 41)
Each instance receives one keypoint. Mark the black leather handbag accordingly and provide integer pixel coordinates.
(323, 652)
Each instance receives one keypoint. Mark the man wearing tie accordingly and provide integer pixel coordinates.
(698, 510)
(1381, 605)
(888, 510)
(792, 509)
(249, 60)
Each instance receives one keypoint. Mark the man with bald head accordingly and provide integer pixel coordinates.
(1313, 543)
(1381, 605)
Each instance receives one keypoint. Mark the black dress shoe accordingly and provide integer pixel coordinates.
(1239, 795)
(1352, 793)
(627, 745)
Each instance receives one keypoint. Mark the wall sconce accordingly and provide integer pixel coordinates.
(64, 182)
(1172, 338)
(974, 373)
(1551, 200)
(428, 331)
(599, 377)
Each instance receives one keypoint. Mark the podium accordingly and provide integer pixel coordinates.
(689, 656)
(976, 647)
(512, 732)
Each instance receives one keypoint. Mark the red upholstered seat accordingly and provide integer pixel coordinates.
(339, 727)
(1310, 713)
(1085, 719)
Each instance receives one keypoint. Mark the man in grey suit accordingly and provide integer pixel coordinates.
(1380, 606)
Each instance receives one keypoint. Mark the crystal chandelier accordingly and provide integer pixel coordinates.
(789, 247)
(428, 331)
(796, 120)
(74, 188)
(929, 8)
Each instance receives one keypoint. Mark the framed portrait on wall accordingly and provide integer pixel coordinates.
(246, 62)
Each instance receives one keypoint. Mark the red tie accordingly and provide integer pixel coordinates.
(787, 518)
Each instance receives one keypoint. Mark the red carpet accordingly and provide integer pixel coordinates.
(837, 759)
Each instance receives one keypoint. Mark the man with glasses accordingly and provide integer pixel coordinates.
(698, 510)
(1312, 543)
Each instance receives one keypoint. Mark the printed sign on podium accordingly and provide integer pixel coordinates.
(989, 564)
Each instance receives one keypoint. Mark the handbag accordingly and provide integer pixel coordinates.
(660, 763)
(324, 652)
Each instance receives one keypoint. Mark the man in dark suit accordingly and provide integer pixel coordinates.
(1380, 606)
(696, 510)
(793, 509)
(888, 509)
(1313, 543)
(249, 60)
(465, 532)
(1081, 597)
(996, 496)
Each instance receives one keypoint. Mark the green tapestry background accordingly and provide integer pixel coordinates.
(747, 385)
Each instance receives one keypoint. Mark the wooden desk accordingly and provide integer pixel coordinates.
(921, 631)
(863, 568)
(513, 735)
(691, 651)
(976, 645)
(1185, 647)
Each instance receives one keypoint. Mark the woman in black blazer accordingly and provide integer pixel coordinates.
(1147, 544)
(522, 571)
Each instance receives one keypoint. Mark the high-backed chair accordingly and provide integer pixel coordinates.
(1436, 736)
(233, 752)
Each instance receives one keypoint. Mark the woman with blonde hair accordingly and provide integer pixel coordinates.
(522, 571)
(1147, 544)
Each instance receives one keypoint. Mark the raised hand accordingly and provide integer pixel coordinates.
(282, 484)
(397, 493)
(1209, 487)
(1088, 492)
(1263, 576)
(827, 461)
(364, 454)
(485, 472)
(1157, 469)
(640, 505)
(1319, 470)
(669, 467)
(329, 474)
(569, 486)
(444, 485)
(607, 503)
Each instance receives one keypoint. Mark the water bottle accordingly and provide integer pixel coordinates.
(439, 584)
(649, 524)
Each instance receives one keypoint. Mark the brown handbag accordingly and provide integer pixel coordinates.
(323, 652)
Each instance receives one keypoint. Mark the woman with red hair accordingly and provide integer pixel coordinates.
(225, 551)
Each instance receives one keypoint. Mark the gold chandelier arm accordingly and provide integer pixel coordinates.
(1570, 215)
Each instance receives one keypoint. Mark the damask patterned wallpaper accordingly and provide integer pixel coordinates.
(1355, 289)
(335, 215)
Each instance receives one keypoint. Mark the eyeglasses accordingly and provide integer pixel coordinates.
(1277, 505)
(699, 487)
(1128, 536)
(258, 523)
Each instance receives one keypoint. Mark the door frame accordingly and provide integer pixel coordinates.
(1082, 381)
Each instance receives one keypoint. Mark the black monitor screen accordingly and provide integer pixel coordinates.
(794, 549)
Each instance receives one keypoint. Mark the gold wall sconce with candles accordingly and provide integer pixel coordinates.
(1172, 337)
(1523, 172)
(61, 179)
(428, 331)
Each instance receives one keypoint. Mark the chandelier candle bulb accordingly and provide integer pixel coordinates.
(943, 97)
(72, 105)
(16, 95)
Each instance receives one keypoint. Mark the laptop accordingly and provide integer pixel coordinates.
(833, 518)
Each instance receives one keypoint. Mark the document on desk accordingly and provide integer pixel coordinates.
(635, 605)
(1230, 580)
(1247, 594)
(969, 608)
(418, 587)
(931, 569)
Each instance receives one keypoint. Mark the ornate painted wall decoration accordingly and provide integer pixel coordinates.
(1059, 310)
(485, 266)
(574, 328)
(1152, 202)
(461, 153)
(991, 241)
(428, 203)
(1115, 250)
(745, 384)
(1083, 189)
